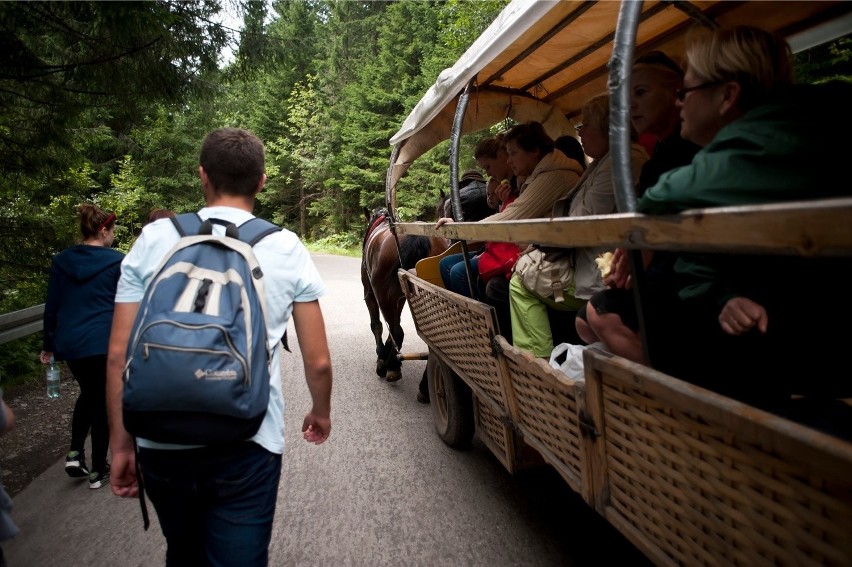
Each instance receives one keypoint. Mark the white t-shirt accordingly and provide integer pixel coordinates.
(289, 276)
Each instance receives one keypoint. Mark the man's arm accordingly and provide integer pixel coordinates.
(123, 468)
(310, 328)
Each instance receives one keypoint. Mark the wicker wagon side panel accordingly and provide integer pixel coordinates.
(461, 329)
(546, 411)
(711, 484)
(494, 432)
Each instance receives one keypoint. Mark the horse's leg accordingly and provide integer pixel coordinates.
(373, 308)
(394, 364)
(375, 321)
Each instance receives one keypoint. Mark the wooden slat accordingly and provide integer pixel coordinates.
(806, 228)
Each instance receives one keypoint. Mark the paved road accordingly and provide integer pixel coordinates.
(383, 490)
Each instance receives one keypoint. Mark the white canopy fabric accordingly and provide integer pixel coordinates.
(515, 19)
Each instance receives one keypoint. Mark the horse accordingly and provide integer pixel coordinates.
(381, 253)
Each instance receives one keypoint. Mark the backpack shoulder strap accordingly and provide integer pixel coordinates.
(254, 230)
(187, 223)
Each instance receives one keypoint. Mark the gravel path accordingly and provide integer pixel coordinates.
(42, 431)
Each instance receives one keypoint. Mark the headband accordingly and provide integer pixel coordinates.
(108, 220)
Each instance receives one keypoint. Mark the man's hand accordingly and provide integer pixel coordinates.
(316, 429)
(442, 221)
(740, 315)
(122, 475)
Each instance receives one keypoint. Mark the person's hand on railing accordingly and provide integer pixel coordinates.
(442, 221)
(740, 315)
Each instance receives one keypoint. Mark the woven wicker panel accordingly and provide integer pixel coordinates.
(460, 328)
(494, 433)
(703, 493)
(547, 411)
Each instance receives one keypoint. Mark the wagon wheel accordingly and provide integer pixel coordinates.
(452, 405)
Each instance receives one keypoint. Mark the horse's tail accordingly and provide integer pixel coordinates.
(412, 249)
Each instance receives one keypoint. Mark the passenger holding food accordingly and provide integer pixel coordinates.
(610, 316)
(490, 155)
(546, 175)
(734, 324)
(591, 195)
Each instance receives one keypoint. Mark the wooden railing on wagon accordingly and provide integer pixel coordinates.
(807, 228)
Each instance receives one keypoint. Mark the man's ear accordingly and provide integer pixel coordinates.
(260, 184)
(205, 182)
(731, 92)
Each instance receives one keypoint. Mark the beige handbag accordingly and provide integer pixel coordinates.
(547, 274)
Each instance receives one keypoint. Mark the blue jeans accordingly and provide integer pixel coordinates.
(215, 504)
(454, 275)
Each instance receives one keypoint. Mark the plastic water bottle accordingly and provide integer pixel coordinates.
(52, 379)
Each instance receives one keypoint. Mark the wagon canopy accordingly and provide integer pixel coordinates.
(542, 60)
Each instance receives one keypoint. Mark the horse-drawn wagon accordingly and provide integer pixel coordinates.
(689, 476)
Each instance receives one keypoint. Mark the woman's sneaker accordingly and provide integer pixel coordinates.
(98, 479)
(75, 464)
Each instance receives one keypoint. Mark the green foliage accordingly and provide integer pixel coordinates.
(348, 244)
(829, 62)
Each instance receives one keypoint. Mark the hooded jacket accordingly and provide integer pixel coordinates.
(80, 301)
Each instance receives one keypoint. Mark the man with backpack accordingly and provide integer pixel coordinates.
(211, 472)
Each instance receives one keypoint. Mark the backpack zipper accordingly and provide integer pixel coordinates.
(233, 351)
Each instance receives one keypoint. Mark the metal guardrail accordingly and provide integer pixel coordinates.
(21, 323)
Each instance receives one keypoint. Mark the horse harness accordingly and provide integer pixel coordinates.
(382, 216)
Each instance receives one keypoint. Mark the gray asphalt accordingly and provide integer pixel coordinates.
(383, 490)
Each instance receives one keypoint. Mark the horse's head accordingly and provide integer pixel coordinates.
(373, 215)
(440, 206)
(374, 218)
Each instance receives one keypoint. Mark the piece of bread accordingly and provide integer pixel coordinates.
(604, 262)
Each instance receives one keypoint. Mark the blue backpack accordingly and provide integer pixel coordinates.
(198, 361)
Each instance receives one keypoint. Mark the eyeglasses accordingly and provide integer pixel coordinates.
(681, 94)
(579, 128)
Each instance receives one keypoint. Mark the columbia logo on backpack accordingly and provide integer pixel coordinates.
(198, 360)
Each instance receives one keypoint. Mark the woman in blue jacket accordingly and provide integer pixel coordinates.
(77, 322)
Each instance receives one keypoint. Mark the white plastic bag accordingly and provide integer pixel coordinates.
(569, 359)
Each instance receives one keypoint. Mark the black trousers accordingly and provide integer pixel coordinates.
(90, 410)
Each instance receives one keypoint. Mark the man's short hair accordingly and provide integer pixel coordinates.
(233, 159)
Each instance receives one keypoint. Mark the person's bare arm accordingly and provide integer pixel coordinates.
(310, 328)
(9, 421)
(123, 467)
